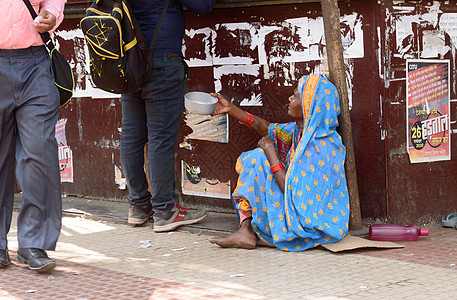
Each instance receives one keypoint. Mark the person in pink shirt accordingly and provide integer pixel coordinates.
(29, 109)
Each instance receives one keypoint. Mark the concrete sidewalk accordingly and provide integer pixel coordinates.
(217, 224)
(100, 257)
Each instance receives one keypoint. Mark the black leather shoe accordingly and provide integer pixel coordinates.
(4, 258)
(37, 259)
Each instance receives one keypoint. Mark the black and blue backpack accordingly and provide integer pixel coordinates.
(120, 58)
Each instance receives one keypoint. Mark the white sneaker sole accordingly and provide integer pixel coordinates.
(139, 222)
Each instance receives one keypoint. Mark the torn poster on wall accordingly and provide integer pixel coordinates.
(65, 153)
(119, 179)
(423, 34)
(236, 80)
(427, 114)
(84, 87)
(201, 55)
(207, 128)
(262, 50)
(427, 31)
(266, 52)
(193, 185)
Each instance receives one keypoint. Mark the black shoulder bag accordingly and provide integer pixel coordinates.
(63, 75)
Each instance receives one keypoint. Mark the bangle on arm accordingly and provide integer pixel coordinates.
(277, 167)
(249, 119)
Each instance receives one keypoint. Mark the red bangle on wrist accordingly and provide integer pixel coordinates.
(277, 167)
(249, 119)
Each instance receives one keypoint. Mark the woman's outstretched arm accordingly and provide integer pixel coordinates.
(224, 106)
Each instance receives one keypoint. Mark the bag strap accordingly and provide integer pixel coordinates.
(159, 25)
(50, 45)
(46, 37)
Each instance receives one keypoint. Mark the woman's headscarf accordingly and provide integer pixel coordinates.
(315, 196)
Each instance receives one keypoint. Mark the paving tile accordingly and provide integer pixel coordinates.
(439, 249)
(97, 260)
(90, 282)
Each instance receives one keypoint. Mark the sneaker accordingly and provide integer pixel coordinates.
(176, 217)
(139, 214)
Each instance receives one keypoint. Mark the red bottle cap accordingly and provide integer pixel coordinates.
(423, 232)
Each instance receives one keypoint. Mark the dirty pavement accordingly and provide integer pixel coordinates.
(100, 257)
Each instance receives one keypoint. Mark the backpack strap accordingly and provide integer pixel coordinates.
(44, 36)
(159, 25)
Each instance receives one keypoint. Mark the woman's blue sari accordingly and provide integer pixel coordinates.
(314, 209)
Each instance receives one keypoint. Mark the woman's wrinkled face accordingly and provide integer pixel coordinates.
(295, 106)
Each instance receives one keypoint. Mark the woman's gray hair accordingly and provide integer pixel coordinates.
(300, 84)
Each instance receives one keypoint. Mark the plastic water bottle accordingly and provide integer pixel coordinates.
(392, 232)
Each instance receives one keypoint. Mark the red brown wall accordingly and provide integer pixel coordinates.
(419, 192)
(391, 188)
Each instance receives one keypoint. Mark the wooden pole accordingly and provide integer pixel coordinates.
(331, 15)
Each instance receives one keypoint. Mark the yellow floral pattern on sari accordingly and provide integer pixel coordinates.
(314, 208)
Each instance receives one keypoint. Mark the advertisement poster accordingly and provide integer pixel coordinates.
(427, 114)
(208, 128)
(193, 184)
(65, 154)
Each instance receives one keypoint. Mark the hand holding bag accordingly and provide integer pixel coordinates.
(63, 75)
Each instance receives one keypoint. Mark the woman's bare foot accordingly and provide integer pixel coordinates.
(263, 244)
(243, 238)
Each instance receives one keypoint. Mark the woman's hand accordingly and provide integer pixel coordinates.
(223, 105)
(266, 143)
(269, 148)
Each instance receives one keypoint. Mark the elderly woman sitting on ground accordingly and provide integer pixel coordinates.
(292, 192)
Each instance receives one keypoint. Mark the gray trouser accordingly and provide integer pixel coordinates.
(29, 109)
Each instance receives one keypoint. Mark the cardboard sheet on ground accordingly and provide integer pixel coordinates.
(350, 242)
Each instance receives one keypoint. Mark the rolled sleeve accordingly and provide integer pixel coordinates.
(56, 8)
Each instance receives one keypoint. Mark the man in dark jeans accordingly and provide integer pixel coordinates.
(153, 115)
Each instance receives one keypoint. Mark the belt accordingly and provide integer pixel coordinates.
(33, 50)
(174, 54)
